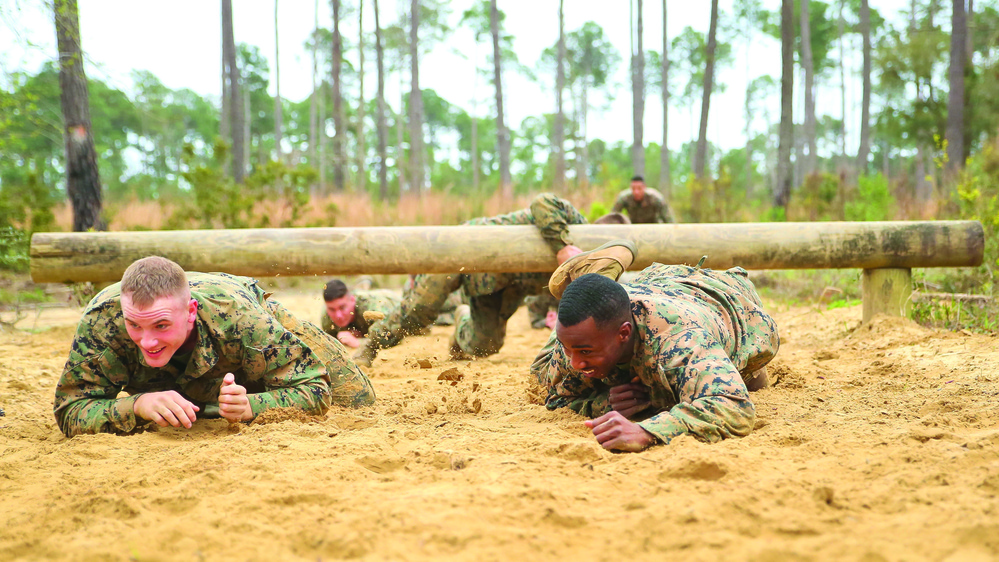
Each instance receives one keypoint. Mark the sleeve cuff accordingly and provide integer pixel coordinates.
(123, 413)
(665, 426)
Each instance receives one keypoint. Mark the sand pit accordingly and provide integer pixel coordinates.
(874, 444)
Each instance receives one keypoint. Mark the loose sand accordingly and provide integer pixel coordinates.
(877, 443)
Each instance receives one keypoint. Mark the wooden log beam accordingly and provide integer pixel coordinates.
(103, 256)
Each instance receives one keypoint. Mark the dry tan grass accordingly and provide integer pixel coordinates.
(340, 209)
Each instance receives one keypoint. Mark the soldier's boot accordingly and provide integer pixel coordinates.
(609, 260)
(757, 380)
(366, 354)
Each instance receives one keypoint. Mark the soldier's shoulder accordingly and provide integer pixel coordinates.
(655, 194)
(624, 193)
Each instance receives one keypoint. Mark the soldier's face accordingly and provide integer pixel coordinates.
(592, 350)
(638, 190)
(161, 328)
(341, 310)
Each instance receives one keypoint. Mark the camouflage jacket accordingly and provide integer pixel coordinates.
(378, 300)
(238, 331)
(698, 332)
(653, 208)
(552, 216)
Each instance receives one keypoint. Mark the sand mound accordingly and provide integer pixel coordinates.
(874, 443)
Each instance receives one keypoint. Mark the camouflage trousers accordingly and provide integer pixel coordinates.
(538, 307)
(480, 329)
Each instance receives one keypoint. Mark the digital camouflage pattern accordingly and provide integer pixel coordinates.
(492, 297)
(538, 307)
(283, 361)
(653, 208)
(699, 332)
(376, 300)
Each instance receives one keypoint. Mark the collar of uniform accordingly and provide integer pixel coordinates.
(204, 356)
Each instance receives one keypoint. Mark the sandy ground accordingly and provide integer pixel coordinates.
(877, 443)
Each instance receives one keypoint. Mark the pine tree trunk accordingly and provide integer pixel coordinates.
(638, 97)
(842, 83)
(865, 105)
(83, 182)
(955, 77)
(237, 118)
(402, 164)
(709, 69)
(277, 89)
(782, 193)
(417, 172)
(362, 172)
(665, 181)
(811, 161)
(382, 123)
(313, 116)
(340, 135)
(503, 140)
(584, 164)
(560, 112)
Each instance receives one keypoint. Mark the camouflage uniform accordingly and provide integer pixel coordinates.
(538, 307)
(492, 297)
(446, 315)
(653, 208)
(281, 360)
(375, 301)
(699, 333)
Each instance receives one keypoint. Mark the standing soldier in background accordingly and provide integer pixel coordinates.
(186, 343)
(644, 204)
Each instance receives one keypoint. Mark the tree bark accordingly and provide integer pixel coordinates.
(665, 180)
(503, 135)
(709, 69)
(842, 83)
(559, 147)
(313, 116)
(362, 172)
(83, 182)
(382, 122)
(811, 161)
(415, 103)
(865, 105)
(277, 89)
(237, 118)
(782, 191)
(340, 135)
(638, 97)
(955, 100)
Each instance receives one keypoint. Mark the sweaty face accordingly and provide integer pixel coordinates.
(638, 190)
(592, 350)
(341, 310)
(161, 328)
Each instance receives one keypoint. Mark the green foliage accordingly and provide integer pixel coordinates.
(597, 210)
(14, 245)
(873, 201)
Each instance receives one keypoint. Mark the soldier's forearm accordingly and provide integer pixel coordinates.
(97, 416)
(313, 397)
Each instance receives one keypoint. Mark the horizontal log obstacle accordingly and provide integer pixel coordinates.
(269, 252)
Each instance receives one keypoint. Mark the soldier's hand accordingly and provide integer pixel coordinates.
(629, 399)
(348, 339)
(614, 432)
(567, 252)
(233, 403)
(550, 318)
(165, 408)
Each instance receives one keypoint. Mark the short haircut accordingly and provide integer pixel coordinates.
(334, 289)
(638, 178)
(594, 296)
(613, 218)
(151, 278)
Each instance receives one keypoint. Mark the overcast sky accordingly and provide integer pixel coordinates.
(179, 42)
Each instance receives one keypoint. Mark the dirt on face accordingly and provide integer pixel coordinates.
(874, 443)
